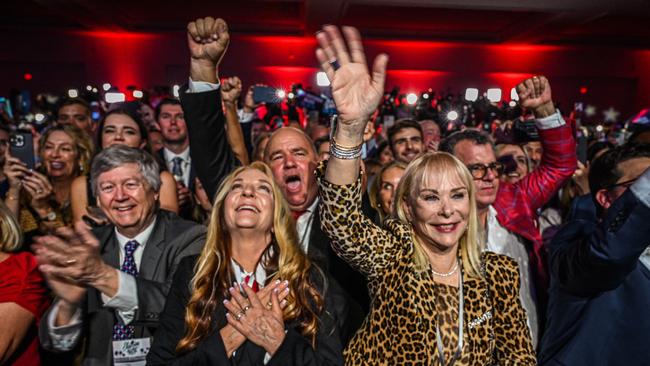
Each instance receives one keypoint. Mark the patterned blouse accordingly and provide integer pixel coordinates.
(401, 326)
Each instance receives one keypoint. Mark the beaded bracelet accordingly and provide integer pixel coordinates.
(345, 153)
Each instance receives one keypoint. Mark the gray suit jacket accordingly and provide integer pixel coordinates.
(172, 239)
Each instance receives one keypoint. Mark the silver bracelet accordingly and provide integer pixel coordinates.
(345, 153)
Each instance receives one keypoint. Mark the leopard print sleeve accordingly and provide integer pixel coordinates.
(355, 238)
(513, 342)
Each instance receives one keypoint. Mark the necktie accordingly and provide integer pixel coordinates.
(122, 331)
(177, 167)
(255, 287)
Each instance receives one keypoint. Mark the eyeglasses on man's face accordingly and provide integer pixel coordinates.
(479, 171)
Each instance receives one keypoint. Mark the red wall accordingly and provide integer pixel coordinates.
(60, 60)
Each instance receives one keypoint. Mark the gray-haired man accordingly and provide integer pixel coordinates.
(111, 283)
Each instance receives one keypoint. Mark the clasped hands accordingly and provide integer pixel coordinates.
(258, 316)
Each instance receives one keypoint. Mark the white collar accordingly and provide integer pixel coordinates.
(260, 271)
(141, 238)
(170, 155)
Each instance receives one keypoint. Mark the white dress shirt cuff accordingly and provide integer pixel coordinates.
(641, 188)
(553, 121)
(245, 117)
(201, 86)
(63, 337)
(125, 300)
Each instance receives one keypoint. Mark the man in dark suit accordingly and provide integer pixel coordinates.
(175, 153)
(111, 284)
(600, 269)
(290, 153)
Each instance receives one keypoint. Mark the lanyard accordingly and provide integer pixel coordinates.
(459, 348)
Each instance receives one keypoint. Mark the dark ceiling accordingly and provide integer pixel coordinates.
(576, 22)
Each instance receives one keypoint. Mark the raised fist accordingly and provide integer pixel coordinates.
(535, 94)
(230, 89)
(208, 39)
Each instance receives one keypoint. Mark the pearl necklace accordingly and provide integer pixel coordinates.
(453, 270)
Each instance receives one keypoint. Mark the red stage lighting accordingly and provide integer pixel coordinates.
(27, 76)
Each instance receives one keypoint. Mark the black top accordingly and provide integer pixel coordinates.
(295, 350)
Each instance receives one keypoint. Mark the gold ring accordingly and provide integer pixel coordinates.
(246, 308)
(269, 305)
(239, 315)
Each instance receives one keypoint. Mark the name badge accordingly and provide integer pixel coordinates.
(131, 352)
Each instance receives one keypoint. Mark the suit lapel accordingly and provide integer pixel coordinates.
(153, 249)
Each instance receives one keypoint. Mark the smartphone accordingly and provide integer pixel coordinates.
(582, 146)
(509, 163)
(265, 94)
(21, 146)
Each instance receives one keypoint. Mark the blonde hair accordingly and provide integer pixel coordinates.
(213, 269)
(11, 237)
(83, 145)
(417, 173)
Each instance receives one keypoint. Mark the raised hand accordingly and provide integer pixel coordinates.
(356, 91)
(230, 89)
(535, 93)
(207, 39)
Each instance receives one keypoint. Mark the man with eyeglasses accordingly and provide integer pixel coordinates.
(599, 302)
(507, 210)
(75, 111)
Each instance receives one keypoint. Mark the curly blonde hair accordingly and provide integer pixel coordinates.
(213, 274)
(11, 237)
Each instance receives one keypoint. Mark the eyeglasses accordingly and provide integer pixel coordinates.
(625, 184)
(479, 171)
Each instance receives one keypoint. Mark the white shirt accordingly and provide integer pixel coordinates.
(185, 164)
(125, 300)
(502, 241)
(304, 223)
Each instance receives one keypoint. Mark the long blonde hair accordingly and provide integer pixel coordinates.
(213, 269)
(441, 164)
(11, 237)
(375, 188)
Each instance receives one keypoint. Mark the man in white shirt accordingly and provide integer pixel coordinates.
(111, 284)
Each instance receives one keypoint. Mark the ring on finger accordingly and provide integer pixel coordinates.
(246, 308)
(335, 64)
(269, 305)
(239, 315)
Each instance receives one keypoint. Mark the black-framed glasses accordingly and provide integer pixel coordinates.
(479, 171)
(625, 184)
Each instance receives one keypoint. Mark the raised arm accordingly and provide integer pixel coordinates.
(230, 90)
(602, 261)
(213, 157)
(356, 93)
(559, 157)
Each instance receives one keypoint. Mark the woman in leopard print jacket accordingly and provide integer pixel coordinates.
(436, 300)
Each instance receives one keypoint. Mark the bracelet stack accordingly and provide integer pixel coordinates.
(344, 152)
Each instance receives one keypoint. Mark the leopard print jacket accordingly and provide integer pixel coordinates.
(401, 326)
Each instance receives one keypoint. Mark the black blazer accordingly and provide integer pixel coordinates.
(172, 239)
(212, 156)
(214, 159)
(295, 350)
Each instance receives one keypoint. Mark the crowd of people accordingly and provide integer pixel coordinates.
(214, 229)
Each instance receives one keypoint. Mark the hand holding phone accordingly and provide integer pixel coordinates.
(22, 148)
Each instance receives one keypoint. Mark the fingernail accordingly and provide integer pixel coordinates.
(227, 315)
(275, 291)
(277, 282)
(231, 289)
(286, 283)
(198, 39)
(286, 290)
(225, 301)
